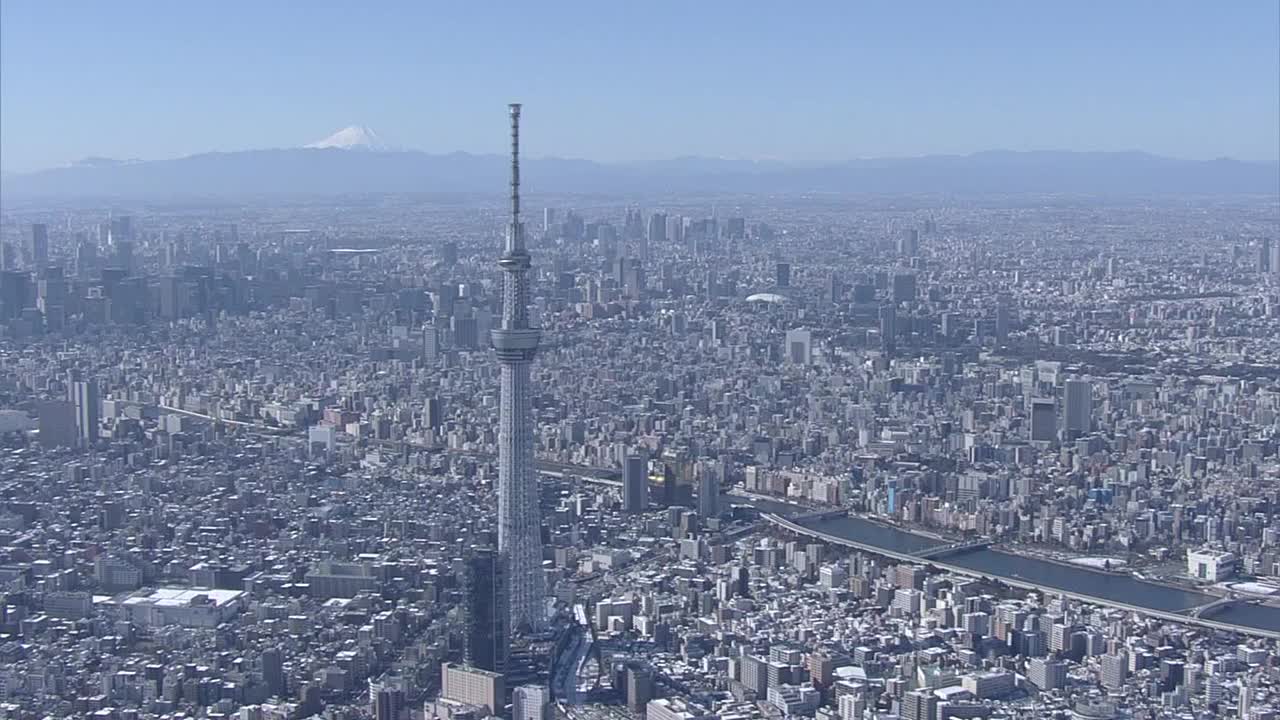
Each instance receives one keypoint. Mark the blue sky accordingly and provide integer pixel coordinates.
(806, 81)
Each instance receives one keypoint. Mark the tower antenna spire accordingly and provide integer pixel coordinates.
(515, 239)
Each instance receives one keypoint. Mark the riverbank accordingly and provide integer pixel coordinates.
(1114, 589)
(1117, 588)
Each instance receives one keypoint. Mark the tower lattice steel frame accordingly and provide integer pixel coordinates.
(516, 343)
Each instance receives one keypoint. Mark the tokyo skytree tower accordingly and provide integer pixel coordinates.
(516, 343)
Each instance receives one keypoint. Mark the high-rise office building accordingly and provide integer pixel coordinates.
(639, 687)
(15, 293)
(51, 290)
(1044, 419)
(445, 299)
(904, 287)
(782, 275)
(799, 347)
(735, 228)
(486, 641)
(633, 280)
(656, 235)
(888, 329)
(949, 324)
(516, 344)
(754, 674)
(675, 229)
(835, 289)
(123, 251)
(273, 672)
(1047, 674)
(1077, 408)
(1114, 670)
(1060, 636)
(530, 702)
(388, 703)
(434, 413)
(84, 394)
(909, 243)
(38, 249)
(430, 343)
(633, 226)
(635, 484)
(121, 229)
(1003, 317)
(719, 331)
(172, 296)
(708, 495)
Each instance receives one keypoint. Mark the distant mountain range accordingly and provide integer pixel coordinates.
(354, 160)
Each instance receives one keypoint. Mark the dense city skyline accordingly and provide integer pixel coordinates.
(345, 431)
(840, 457)
(641, 83)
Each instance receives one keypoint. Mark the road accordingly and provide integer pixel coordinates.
(594, 475)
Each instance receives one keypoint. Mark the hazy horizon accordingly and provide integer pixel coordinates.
(639, 163)
(664, 81)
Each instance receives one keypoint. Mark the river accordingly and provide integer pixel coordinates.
(1056, 576)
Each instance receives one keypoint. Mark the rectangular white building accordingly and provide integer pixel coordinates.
(188, 607)
(1210, 565)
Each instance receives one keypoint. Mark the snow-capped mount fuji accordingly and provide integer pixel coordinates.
(353, 137)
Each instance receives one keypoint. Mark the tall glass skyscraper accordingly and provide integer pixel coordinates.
(487, 610)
